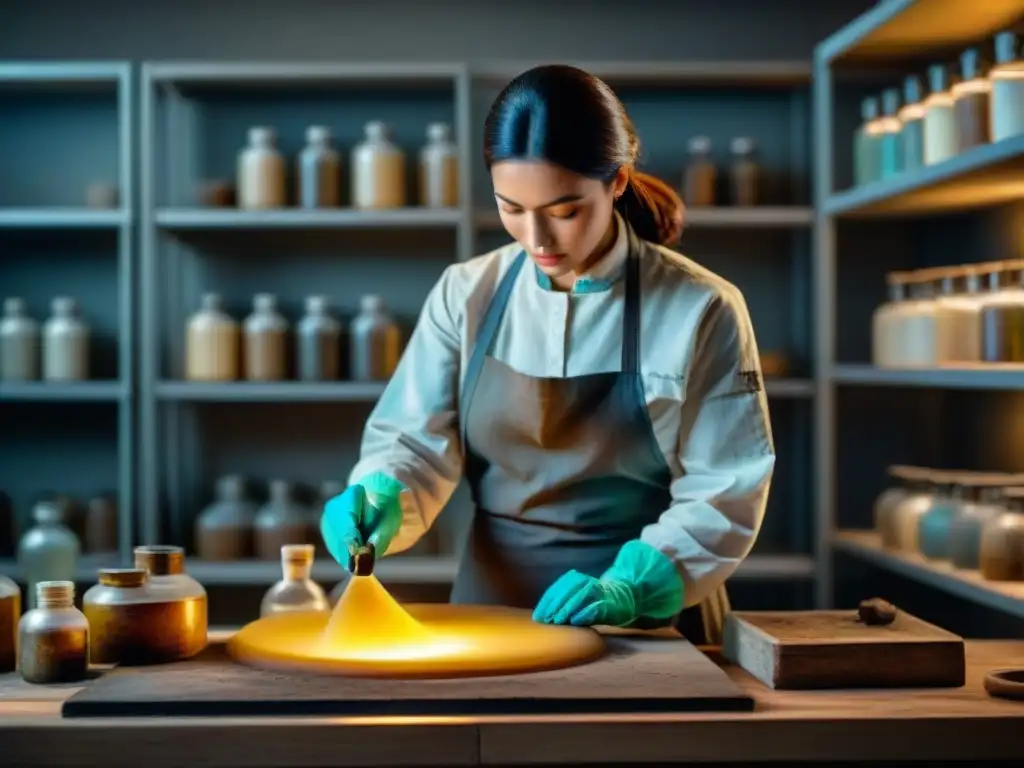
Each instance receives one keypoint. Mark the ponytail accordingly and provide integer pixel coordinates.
(652, 208)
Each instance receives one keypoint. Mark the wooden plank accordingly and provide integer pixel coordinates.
(834, 649)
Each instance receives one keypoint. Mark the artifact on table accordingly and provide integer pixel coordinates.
(185, 616)
(211, 343)
(19, 342)
(378, 169)
(224, 529)
(296, 591)
(876, 612)
(319, 170)
(261, 172)
(53, 637)
(439, 168)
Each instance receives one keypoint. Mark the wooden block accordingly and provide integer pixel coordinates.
(833, 649)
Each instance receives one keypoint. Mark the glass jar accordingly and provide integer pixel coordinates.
(439, 168)
(1002, 540)
(917, 322)
(888, 501)
(10, 614)
(281, 521)
(701, 177)
(867, 157)
(185, 616)
(296, 591)
(886, 324)
(940, 131)
(925, 490)
(224, 530)
(375, 341)
(49, 550)
(958, 317)
(744, 173)
(266, 341)
(261, 171)
(211, 343)
(378, 169)
(19, 342)
(319, 342)
(53, 637)
(65, 343)
(1007, 78)
(934, 525)
(985, 503)
(971, 101)
(890, 139)
(1002, 313)
(911, 117)
(319, 170)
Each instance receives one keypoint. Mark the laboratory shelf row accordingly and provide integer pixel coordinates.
(957, 211)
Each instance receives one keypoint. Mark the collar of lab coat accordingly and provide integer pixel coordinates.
(601, 276)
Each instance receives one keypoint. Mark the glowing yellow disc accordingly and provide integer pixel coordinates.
(370, 635)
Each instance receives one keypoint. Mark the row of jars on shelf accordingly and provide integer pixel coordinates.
(972, 520)
(154, 613)
(951, 316)
(701, 177)
(218, 349)
(92, 524)
(979, 101)
(377, 170)
(63, 341)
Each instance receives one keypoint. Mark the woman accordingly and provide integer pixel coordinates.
(600, 393)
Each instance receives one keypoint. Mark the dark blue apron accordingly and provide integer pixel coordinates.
(563, 471)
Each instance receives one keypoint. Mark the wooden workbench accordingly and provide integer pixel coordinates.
(962, 724)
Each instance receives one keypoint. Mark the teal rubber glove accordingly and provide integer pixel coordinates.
(642, 587)
(368, 512)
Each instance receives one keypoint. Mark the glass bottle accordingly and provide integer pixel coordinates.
(266, 340)
(49, 550)
(211, 343)
(940, 130)
(911, 117)
(744, 174)
(378, 169)
(375, 341)
(224, 530)
(281, 521)
(701, 176)
(319, 342)
(971, 101)
(261, 171)
(933, 526)
(965, 529)
(185, 625)
(1002, 314)
(296, 591)
(319, 170)
(1007, 78)
(867, 158)
(65, 343)
(53, 637)
(926, 489)
(1001, 556)
(10, 614)
(886, 328)
(19, 342)
(958, 318)
(888, 501)
(101, 524)
(439, 168)
(891, 135)
(917, 323)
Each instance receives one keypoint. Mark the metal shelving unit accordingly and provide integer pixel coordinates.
(85, 108)
(899, 35)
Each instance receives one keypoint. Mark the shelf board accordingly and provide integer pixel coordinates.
(795, 388)
(85, 570)
(995, 376)
(775, 567)
(912, 29)
(983, 176)
(969, 585)
(400, 569)
(270, 392)
(62, 218)
(666, 73)
(182, 219)
(58, 391)
(34, 74)
(760, 217)
(277, 74)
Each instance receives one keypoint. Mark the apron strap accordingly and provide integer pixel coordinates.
(631, 308)
(485, 340)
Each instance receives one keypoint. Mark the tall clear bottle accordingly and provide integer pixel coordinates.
(867, 152)
(1007, 78)
(886, 329)
(375, 341)
(211, 343)
(65, 343)
(378, 169)
(297, 591)
(319, 170)
(266, 341)
(911, 116)
(439, 168)
(49, 550)
(940, 131)
(281, 521)
(19, 342)
(319, 342)
(261, 171)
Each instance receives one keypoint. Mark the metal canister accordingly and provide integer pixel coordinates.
(183, 616)
(10, 613)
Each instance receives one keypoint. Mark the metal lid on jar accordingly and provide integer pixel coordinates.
(123, 578)
(939, 78)
(160, 560)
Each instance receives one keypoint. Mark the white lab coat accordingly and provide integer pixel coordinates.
(701, 377)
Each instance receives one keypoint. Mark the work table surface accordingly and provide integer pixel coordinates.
(937, 724)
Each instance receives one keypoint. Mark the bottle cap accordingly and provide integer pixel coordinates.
(1007, 47)
(912, 89)
(890, 101)
(123, 578)
(869, 108)
(160, 560)
(371, 303)
(264, 302)
(439, 132)
(212, 301)
(700, 145)
(316, 305)
(377, 129)
(297, 554)
(318, 134)
(262, 136)
(55, 594)
(14, 306)
(742, 145)
(46, 512)
(64, 306)
(231, 488)
(938, 78)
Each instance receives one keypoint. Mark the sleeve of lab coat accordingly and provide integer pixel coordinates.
(726, 453)
(413, 431)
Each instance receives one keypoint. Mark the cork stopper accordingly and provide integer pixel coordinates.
(160, 560)
(123, 578)
(55, 594)
(297, 561)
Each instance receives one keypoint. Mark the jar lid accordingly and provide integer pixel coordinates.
(123, 578)
(1007, 47)
(912, 89)
(939, 79)
(160, 560)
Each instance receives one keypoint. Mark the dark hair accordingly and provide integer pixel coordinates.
(566, 116)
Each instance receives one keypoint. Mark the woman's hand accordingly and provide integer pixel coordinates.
(368, 512)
